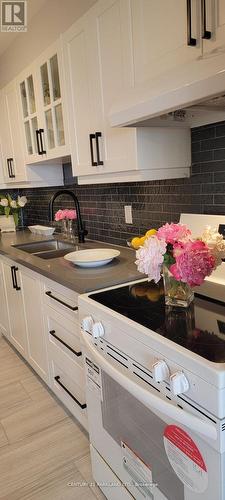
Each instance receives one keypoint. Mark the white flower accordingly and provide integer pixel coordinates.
(150, 258)
(22, 200)
(13, 204)
(4, 202)
(215, 243)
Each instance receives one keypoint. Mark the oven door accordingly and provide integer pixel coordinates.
(157, 450)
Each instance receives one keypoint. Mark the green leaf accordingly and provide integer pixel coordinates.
(7, 211)
(16, 218)
(168, 260)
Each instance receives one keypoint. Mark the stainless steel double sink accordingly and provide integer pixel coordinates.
(48, 249)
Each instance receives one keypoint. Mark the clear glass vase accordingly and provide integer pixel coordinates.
(64, 228)
(177, 293)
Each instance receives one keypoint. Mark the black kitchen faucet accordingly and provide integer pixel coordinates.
(82, 232)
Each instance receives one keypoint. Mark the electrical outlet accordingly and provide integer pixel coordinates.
(128, 214)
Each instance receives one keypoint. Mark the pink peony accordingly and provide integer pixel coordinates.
(150, 257)
(172, 233)
(59, 215)
(194, 262)
(71, 214)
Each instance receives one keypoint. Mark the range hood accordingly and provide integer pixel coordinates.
(190, 95)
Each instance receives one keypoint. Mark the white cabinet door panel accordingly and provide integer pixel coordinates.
(16, 311)
(160, 36)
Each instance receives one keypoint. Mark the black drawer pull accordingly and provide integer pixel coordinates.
(205, 33)
(77, 353)
(82, 406)
(192, 42)
(43, 151)
(94, 163)
(97, 135)
(75, 308)
(38, 143)
(13, 277)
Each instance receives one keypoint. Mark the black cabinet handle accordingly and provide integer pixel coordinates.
(99, 161)
(43, 151)
(38, 143)
(73, 308)
(15, 269)
(82, 406)
(205, 33)
(77, 353)
(91, 138)
(13, 276)
(9, 167)
(192, 42)
(12, 168)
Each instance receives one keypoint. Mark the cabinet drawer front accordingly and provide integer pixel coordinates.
(71, 393)
(61, 298)
(63, 333)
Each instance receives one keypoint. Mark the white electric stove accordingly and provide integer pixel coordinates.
(156, 391)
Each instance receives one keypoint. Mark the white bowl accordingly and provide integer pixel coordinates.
(44, 230)
(95, 257)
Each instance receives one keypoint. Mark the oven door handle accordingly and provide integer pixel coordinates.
(150, 400)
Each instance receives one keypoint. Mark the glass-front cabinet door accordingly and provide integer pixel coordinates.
(29, 112)
(41, 98)
(51, 103)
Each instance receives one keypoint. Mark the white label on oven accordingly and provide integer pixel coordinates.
(185, 458)
(93, 377)
(139, 472)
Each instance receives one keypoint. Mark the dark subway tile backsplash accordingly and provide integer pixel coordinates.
(153, 203)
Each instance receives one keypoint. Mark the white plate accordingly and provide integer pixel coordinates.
(92, 258)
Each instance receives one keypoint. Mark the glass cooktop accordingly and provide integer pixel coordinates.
(200, 328)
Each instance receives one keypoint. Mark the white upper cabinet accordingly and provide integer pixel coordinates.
(213, 26)
(42, 110)
(99, 66)
(11, 139)
(165, 34)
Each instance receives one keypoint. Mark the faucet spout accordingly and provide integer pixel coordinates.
(82, 232)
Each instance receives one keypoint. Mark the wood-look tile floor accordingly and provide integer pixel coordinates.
(42, 448)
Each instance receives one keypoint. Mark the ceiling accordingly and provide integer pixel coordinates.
(33, 6)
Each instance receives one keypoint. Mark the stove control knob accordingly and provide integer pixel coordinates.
(160, 371)
(98, 330)
(178, 383)
(87, 324)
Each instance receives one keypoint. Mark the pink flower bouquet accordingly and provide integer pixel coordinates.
(187, 260)
(65, 214)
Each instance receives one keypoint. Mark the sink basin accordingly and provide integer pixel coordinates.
(50, 249)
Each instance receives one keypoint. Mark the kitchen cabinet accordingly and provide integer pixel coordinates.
(42, 111)
(12, 279)
(11, 139)
(26, 329)
(98, 66)
(4, 317)
(159, 36)
(214, 26)
(35, 333)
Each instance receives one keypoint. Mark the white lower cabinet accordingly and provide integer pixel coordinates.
(17, 325)
(26, 327)
(4, 316)
(66, 369)
(40, 318)
(36, 344)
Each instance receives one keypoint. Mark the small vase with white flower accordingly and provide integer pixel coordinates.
(10, 209)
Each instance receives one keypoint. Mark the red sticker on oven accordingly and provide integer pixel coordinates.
(185, 458)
